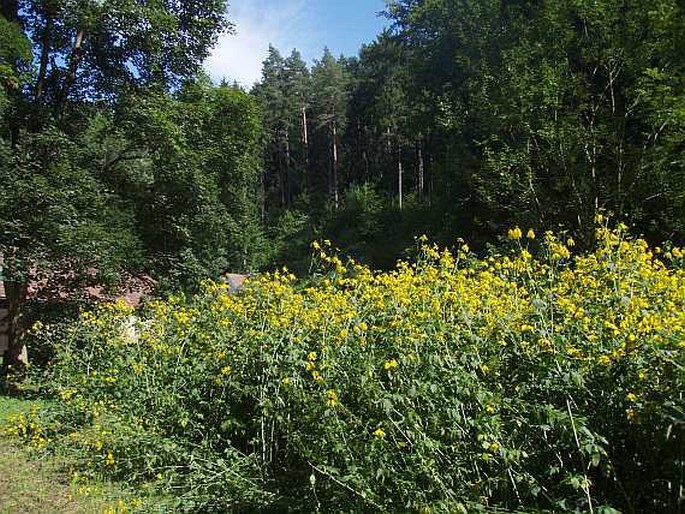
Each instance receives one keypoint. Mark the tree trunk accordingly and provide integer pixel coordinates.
(15, 357)
(288, 175)
(262, 185)
(336, 194)
(365, 155)
(421, 172)
(281, 169)
(73, 66)
(399, 175)
(431, 175)
(591, 158)
(44, 52)
(305, 146)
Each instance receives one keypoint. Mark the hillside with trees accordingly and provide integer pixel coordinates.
(467, 117)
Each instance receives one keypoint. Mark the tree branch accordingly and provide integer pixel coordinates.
(45, 51)
(73, 65)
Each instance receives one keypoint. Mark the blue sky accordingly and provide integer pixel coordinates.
(342, 25)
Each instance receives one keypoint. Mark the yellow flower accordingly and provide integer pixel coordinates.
(379, 433)
(317, 376)
(311, 356)
(515, 233)
(530, 234)
(391, 364)
(109, 460)
(631, 397)
(604, 360)
(332, 397)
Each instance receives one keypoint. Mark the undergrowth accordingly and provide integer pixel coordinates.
(533, 379)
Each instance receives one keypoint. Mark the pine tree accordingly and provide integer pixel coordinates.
(329, 106)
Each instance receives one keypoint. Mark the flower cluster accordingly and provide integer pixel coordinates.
(530, 378)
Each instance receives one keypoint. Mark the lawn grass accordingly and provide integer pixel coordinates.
(29, 484)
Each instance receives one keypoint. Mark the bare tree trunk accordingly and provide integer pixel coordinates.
(305, 145)
(281, 172)
(336, 194)
(591, 157)
(360, 152)
(262, 185)
(45, 51)
(365, 154)
(431, 179)
(288, 175)
(16, 357)
(73, 65)
(400, 174)
(421, 170)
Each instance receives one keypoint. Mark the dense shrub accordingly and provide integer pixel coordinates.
(533, 379)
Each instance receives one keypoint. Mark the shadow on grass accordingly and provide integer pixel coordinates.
(36, 484)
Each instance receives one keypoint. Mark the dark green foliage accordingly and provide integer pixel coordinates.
(115, 156)
(59, 215)
(493, 112)
(546, 108)
(198, 185)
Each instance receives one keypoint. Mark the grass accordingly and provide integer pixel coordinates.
(31, 485)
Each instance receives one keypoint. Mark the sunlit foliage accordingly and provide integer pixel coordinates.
(533, 378)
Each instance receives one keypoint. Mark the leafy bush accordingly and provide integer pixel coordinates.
(532, 379)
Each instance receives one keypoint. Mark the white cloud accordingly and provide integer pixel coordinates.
(286, 24)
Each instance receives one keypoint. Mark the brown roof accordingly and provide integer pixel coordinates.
(132, 291)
